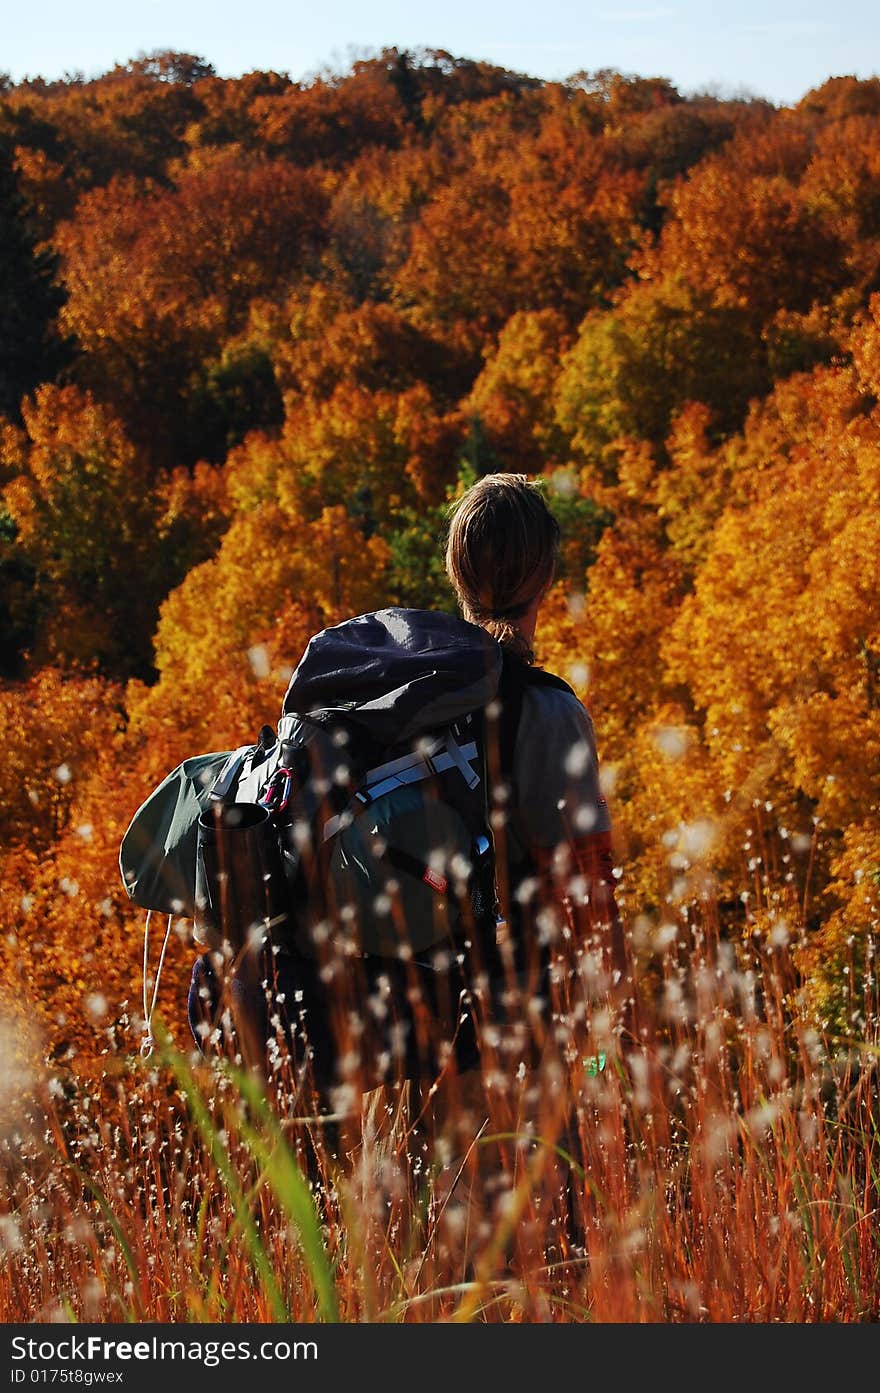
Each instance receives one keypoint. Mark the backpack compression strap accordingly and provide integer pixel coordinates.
(408, 769)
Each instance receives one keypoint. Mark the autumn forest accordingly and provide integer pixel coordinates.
(257, 333)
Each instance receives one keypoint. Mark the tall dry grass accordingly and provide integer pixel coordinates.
(724, 1166)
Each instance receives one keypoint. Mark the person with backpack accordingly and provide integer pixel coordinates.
(384, 885)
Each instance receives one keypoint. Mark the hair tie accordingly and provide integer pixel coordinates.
(510, 613)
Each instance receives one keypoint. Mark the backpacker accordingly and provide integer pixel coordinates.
(362, 828)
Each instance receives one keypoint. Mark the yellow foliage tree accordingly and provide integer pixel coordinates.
(223, 653)
(513, 395)
(86, 518)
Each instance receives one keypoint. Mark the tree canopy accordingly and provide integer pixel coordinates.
(258, 332)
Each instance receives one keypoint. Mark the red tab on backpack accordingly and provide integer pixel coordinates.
(435, 880)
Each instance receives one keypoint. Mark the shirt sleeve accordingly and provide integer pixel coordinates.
(556, 769)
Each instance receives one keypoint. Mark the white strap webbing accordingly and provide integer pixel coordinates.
(460, 757)
(148, 1044)
(409, 769)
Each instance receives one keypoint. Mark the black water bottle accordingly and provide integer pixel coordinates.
(241, 890)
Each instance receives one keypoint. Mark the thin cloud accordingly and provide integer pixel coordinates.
(638, 16)
(791, 28)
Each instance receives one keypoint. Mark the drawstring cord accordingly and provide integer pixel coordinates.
(148, 1044)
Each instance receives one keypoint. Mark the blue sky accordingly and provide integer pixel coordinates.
(777, 49)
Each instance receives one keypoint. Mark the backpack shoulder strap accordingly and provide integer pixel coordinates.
(516, 676)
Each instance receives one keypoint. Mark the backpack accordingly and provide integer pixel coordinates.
(369, 810)
(366, 816)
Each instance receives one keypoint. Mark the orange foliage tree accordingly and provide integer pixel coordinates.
(159, 279)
